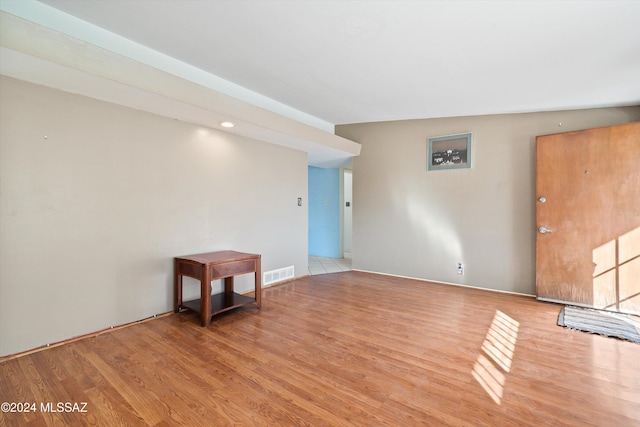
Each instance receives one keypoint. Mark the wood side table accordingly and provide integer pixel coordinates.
(212, 266)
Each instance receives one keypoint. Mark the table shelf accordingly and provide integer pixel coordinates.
(220, 302)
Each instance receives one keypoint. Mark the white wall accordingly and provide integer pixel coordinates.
(97, 199)
(410, 222)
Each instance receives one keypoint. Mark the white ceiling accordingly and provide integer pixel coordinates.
(362, 61)
(312, 64)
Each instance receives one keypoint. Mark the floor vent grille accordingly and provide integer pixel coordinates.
(273, 276)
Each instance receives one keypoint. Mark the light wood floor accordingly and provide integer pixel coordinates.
(344, 349)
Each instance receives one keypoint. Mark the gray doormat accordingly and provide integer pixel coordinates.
(601, 322)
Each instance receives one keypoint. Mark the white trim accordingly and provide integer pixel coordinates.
(446, 283)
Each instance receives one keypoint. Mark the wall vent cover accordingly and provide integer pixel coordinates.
(274, 276)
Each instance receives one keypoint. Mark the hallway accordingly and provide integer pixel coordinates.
(323, 265)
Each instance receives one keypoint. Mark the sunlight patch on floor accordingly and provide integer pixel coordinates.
(494, 362)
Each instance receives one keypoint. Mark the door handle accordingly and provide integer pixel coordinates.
(544, 230)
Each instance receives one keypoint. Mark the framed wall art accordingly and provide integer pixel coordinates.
(449, 152)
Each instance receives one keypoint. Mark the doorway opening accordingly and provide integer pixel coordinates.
(330, 220)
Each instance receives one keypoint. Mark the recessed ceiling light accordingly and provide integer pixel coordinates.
(227, 124)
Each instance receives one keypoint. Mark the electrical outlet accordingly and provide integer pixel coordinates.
(460, 269)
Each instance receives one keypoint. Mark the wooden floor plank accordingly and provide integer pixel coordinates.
(343, 349)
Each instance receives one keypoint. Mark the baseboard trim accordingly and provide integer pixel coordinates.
(81, 337)
(446, 283)
(114, 328)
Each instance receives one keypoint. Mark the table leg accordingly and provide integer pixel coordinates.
(228, 285)
(177, 286)
(258, 281)
(205, 297)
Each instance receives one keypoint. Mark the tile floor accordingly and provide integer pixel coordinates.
(322, 265)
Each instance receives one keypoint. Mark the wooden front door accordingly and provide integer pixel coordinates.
(588, 218)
